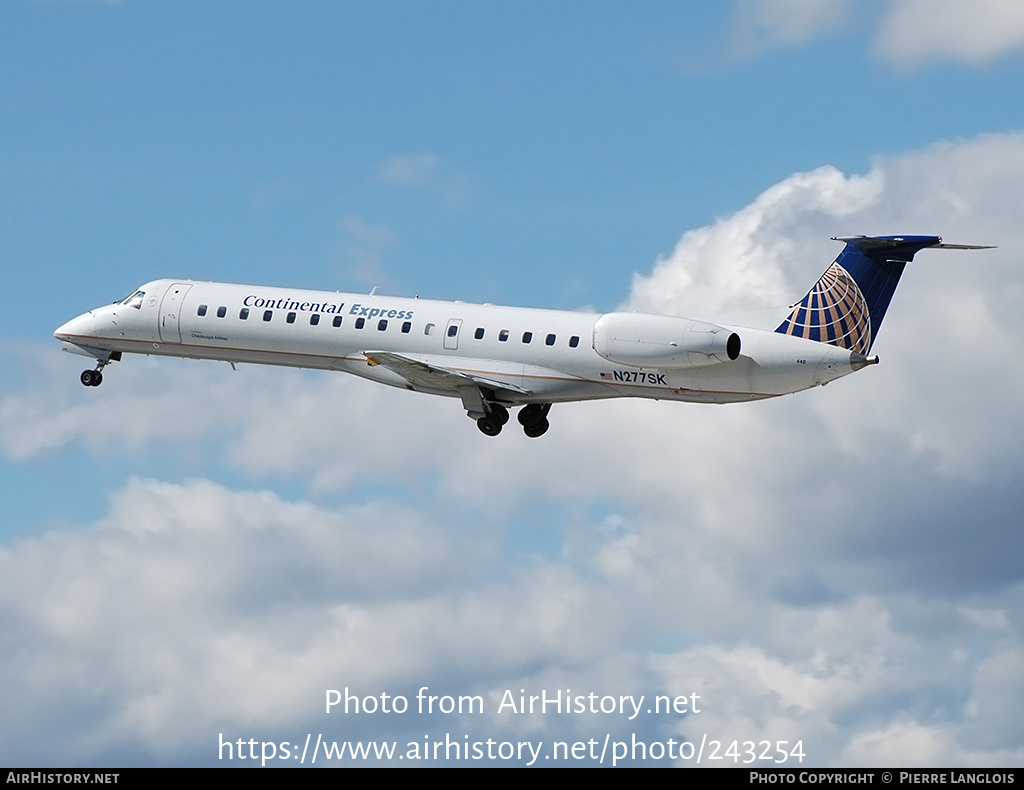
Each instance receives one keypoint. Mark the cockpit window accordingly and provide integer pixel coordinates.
(135, 300)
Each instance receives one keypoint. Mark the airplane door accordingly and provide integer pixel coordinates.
(170, 312)
(451, 334)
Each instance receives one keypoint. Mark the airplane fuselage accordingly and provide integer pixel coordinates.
(517, 355)
(492, 357)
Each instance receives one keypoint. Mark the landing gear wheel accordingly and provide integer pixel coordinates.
(92, 378)
(533, 413)
(498, 412)
(489, 426)
(533, 430)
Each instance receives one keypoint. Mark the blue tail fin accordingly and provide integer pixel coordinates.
(846, 306)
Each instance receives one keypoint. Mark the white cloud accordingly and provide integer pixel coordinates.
(410, 169)
(948, 306)
(363, 231)
(970, 31)
(742, 262)
(760, 25)
(428, 173)
(191, 608)
(906, 32)
(49, 412)
(364, 248)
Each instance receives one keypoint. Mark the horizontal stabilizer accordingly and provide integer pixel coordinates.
(919, 242)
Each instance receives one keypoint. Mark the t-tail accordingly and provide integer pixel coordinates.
(846, 306)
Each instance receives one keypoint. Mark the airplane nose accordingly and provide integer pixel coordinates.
(76, 327)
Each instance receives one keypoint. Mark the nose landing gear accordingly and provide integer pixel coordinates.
(93, 378)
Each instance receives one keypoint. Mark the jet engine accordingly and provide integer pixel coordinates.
(661, 341)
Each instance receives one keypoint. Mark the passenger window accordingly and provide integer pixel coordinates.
(527, 337)
(244, 313)
(428, 329)
(337, 321)
(314, 319)
(503, 335)
(574, 341)
(453, 330)
(382, 325)
(201, 310)
(406, 327)
(360, 323)
(222, 311)
(550, 340)
(479, 334)
(290, 318)
(268, 314)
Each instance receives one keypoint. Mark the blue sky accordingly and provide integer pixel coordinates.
(829, 567)
(549, 151)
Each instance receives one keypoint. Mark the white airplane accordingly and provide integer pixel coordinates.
(493, 358)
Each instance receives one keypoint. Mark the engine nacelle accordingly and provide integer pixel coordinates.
(661, 341)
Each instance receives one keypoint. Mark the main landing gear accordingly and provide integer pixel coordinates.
(533, 418)
(495, 419)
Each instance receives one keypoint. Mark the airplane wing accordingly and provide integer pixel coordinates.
(424, 374)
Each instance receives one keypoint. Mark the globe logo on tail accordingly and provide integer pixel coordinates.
(834, 311)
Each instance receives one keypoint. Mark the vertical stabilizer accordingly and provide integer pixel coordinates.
(846, 306)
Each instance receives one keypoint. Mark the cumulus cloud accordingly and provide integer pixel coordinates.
(190, 606)
(945, 307)
(837, 567)
(48, 413)
(741, 263)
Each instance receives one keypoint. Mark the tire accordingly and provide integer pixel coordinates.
(533, 413)
(536, 429)
(488, 426)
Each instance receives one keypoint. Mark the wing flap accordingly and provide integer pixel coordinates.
(425, 374)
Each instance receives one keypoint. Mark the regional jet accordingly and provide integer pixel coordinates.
(496, 358)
